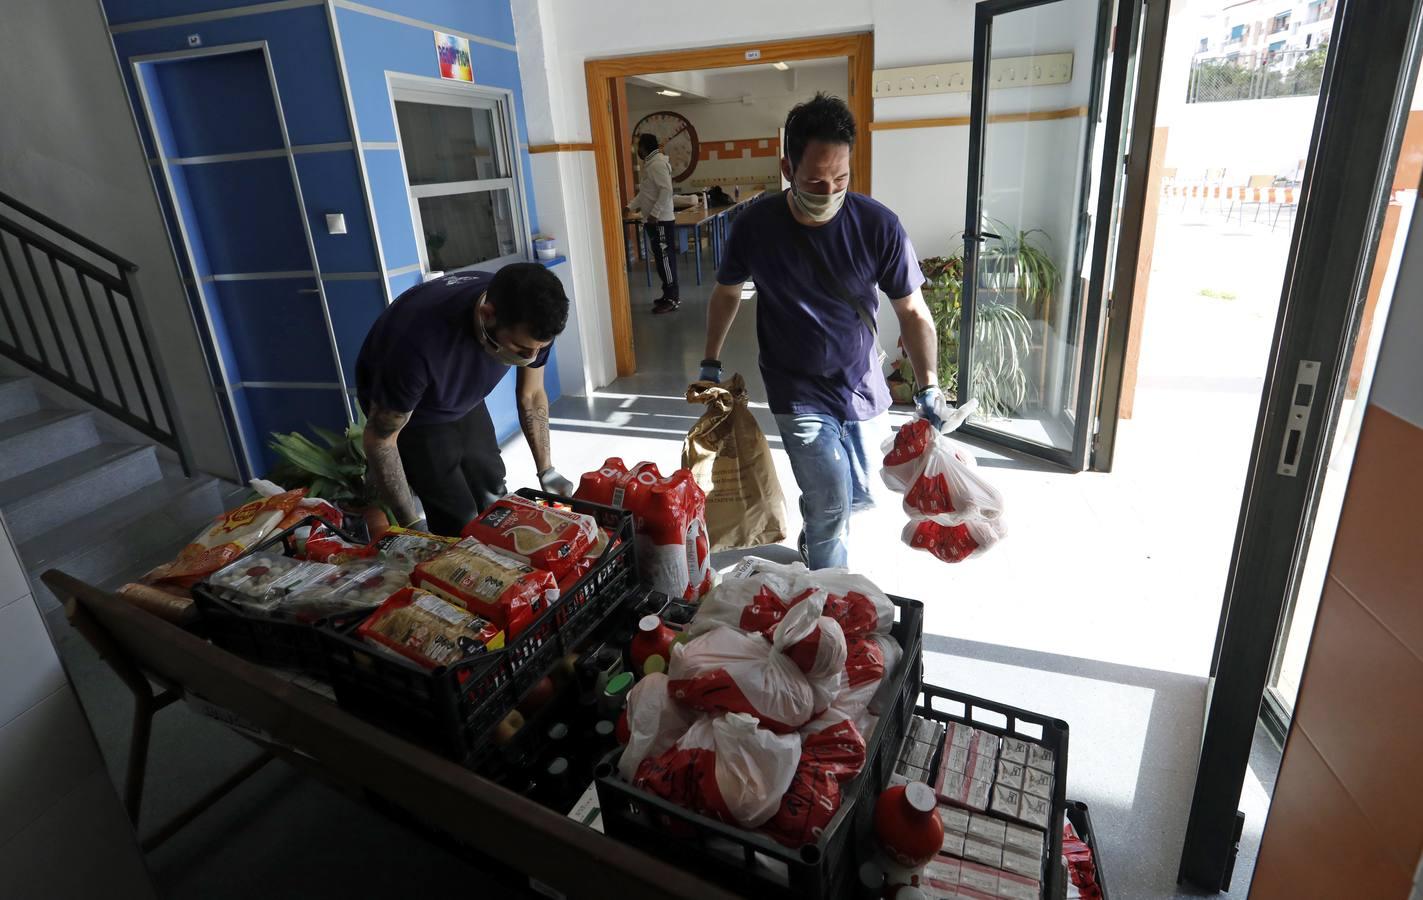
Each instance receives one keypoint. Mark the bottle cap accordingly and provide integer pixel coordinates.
(558, 732)
(558, 768)
(604, 728)
(920, 796)
(618, 684)
(649, 623)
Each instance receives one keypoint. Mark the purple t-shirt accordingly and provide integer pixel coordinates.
(422, 354)
(817, 356)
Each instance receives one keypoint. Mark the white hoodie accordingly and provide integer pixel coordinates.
(654, 193)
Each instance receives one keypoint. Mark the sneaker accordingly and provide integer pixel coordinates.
(665, 306)
(804, 547)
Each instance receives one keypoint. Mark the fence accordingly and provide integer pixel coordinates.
(1286, 73)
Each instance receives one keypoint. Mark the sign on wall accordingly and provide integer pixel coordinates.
(453, 52)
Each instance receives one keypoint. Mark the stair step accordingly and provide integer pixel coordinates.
(74, 485)
(17, 397)
(143, 528)
(36, 439)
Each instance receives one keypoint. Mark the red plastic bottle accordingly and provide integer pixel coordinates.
(651, 647)
(905, 823)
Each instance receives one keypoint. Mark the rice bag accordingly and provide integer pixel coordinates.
(951, 543)
(550, 538)
(654, 721)
(428, 629)
(725, 767)
(506, 590)
(230, 536)
(726, 670)
(816, 645)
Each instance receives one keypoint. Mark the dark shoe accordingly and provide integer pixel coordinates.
(665, 306)
(804, 547)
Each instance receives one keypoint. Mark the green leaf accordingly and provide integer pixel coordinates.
(333, 440)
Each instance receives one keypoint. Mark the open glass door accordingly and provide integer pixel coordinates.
(1046, 136)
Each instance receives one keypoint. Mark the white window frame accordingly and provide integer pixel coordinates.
(499, 102)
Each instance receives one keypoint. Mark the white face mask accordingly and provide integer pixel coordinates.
(818, 207)
(495, 349)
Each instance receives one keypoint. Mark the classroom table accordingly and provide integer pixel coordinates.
(716, 222)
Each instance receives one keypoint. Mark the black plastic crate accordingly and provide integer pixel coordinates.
(269, 638)
(453, 709)
(1077, 814)
(753, 864)
(944, 705)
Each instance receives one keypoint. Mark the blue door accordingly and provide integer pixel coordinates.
(247, 251)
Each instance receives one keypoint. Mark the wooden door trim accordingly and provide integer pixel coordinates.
(858, 48)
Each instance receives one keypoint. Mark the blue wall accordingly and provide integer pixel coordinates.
(240, 220)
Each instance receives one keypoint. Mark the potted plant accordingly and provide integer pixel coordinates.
(1016, 264)
(335, 472)
(1002, 339)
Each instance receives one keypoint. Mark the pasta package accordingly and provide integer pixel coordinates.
(552, 539)
(229, 537)
(502, 588)
(406, 548)
(429, 630)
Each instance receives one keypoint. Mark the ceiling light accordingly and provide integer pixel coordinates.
(780, 65)
(669, 93)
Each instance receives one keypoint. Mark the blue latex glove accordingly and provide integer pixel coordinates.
(931, 406)
(710, 373)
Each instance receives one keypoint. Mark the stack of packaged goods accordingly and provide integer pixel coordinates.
(953, 513)
(1081, 866)
(763, 712)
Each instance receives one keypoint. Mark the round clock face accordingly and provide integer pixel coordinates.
(677, 137)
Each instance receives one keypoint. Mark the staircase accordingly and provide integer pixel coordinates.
(76, 499)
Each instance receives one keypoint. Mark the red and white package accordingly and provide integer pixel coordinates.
(832, 741)
(753, 603)
(807, 806)
(852, 600)
(726, 670)
(230, 536)
(950, 490)
(816, 645)
(725, 767)
(655, 722)
(905, 455)
(503, 589)
(952, 543)
(325, 545)
(868, 659)
(669, 514)
(550, 538)
(312, 506)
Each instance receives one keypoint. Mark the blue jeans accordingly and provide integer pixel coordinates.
(831, 466)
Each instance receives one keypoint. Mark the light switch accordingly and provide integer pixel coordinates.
(335, 223)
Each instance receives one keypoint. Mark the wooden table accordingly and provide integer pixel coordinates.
(716, 221)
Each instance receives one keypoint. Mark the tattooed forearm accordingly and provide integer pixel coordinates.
(533, 419)
(383, 466)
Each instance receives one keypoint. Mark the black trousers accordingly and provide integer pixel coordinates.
(662, 237)
(454, 468)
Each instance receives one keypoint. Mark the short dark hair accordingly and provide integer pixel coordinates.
(647, 142)
(529, 294)
(823, 118)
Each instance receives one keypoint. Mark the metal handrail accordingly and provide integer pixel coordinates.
(46, 335)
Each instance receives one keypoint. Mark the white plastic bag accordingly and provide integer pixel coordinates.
(752, 597)
(816, 644)
(852, 600)
(938, 477)
(655, 722)
(725, 767)
(952, 543)
(726, 670)
(870, 658)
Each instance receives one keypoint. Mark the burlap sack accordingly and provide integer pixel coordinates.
(731, 461)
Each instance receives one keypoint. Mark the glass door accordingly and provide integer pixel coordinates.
(1046, 133)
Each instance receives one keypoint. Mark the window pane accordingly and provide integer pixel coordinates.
(447, 143)
(464, 229)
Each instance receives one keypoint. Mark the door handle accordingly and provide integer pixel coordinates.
(1301, 402)
(981, 237)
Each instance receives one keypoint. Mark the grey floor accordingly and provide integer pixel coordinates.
(1134, 730)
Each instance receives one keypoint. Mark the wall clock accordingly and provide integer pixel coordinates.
(677, 137)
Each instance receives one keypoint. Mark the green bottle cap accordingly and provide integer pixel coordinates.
(618, 684)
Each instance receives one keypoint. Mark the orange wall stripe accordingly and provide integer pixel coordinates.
(559, 148)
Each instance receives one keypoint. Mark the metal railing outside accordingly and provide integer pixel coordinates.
(74, 316)
(1252, 76)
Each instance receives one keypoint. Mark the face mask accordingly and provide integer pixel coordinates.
(493, 348)
(818, 207)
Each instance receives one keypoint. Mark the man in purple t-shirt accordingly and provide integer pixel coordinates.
(422, 377)
(814, 319)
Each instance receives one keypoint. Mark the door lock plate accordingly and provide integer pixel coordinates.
(1301, 403)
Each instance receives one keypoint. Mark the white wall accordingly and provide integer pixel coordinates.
(68, 148)
(919, 173)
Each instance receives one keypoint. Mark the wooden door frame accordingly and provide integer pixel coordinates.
(601, 75)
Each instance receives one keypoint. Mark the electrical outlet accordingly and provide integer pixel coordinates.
(955, 77)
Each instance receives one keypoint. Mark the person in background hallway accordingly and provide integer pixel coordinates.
(654, 203)
(422, 377)
(819, 352)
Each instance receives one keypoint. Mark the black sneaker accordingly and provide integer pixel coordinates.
(665, 306)
(803, 547)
